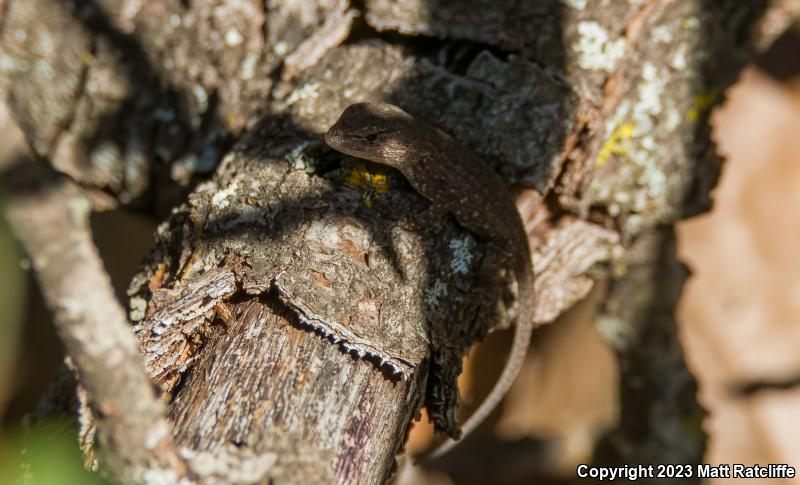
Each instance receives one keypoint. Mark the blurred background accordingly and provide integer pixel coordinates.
(739, 315)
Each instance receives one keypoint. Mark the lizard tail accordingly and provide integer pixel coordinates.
(519, 349)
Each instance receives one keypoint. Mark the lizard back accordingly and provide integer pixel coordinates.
(439, 168)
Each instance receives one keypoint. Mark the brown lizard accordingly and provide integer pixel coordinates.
(454, 180)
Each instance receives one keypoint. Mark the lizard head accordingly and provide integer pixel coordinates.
(381, 133)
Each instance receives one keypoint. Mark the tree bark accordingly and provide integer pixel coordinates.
(50, 217)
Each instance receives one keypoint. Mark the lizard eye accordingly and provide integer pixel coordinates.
(372, 137)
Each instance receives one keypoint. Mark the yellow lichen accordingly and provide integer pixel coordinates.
(701, 103)
(690, 23)
(614, 145)
(360, 177)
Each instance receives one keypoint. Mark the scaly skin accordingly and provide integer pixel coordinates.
(454, 180)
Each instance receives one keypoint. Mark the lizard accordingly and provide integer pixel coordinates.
(454, 180)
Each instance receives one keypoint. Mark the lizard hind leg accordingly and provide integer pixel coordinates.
(496, 287)
(424, 220)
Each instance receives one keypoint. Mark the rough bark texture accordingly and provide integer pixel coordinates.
(289, 230)
(50, 216)
(325, 320)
